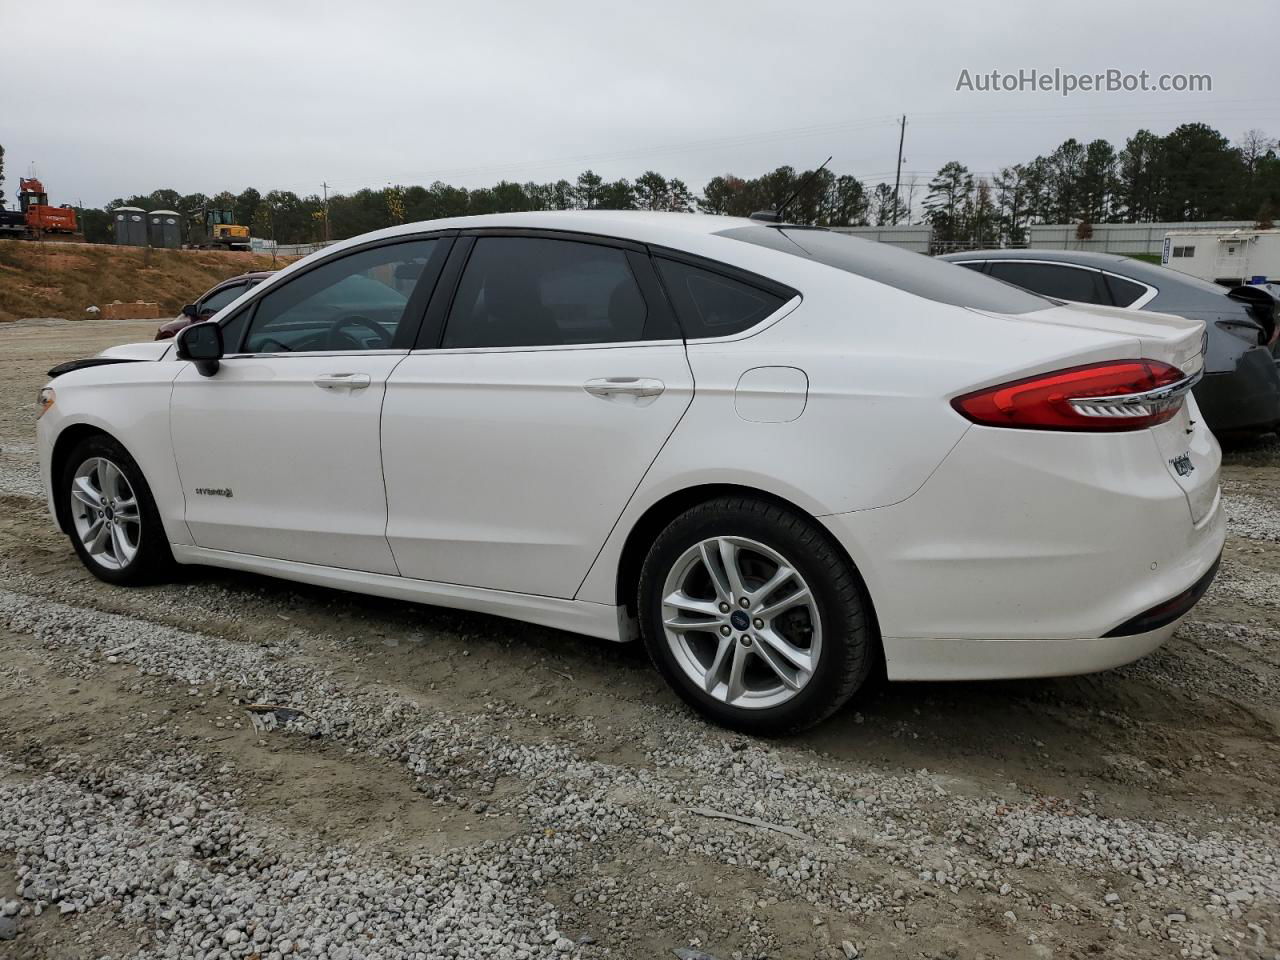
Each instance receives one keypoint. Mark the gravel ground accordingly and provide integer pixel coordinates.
(233, 767)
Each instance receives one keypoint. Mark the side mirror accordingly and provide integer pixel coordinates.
(201, 343)
(190, 311)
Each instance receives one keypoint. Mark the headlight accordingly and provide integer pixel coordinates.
(44, 401)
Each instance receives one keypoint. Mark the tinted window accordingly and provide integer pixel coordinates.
(712, 305)
(913, 273)
(354, 302)
(1124, 292)
(532, 291)
(975, 265)
(1052, 280)
(216, 301)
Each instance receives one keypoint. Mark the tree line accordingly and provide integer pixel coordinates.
(1192, 173)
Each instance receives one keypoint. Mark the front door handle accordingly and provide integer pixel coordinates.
(612, 388)
(343, 381)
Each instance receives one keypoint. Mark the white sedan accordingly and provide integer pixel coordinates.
(782, 456)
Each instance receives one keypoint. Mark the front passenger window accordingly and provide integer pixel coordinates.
(354, 302)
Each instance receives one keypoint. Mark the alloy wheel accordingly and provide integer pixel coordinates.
(105, 513)
(741, 622)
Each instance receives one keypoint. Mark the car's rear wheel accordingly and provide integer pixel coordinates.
(114, 525)
(754, 616)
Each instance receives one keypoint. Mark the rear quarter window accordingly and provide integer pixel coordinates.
(710, 304)
(1124, 292)
(910, 272)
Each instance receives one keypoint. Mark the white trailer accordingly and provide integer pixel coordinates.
(1228, 257)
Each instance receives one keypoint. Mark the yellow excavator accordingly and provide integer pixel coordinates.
(216, 227)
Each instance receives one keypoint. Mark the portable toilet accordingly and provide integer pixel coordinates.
(164, 229)
(130, 226)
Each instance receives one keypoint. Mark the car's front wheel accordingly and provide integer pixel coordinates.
(114, 525)
(754, 616)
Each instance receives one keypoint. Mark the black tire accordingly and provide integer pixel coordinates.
(153, 559)
(848, 649)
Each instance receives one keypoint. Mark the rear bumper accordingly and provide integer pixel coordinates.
(928, 659)
(1247, 398)
(1171, 611)
(921, 659)
(1025, 554)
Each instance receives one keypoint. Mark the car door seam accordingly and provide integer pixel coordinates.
(173, 451)
(693, 388)
(382, 466)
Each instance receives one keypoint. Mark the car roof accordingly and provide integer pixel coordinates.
(1087, 258)
(750, 245)
(242, 277)
(642, 226)
(1175, 287)
(694, 233)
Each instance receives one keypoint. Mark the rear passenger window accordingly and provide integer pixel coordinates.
(534, 291)
(1052, 280)
(1124, 292)
(712, 305)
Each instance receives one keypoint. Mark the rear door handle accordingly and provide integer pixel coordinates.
(609, 388)
(343, 381)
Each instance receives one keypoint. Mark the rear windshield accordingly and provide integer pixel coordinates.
(912, 272)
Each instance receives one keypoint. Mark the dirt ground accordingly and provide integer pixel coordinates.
(556, 782)
(62, 279)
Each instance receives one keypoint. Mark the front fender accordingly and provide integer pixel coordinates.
(129, 402)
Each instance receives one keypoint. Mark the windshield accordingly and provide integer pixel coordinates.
(911, 272)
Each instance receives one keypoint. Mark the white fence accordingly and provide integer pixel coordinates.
(1127, 238)
(258, 245)
(915, 237)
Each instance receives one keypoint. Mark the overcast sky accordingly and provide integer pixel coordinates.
(114, 98)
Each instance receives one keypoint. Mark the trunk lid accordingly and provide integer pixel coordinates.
(1175, 340)
(1190, 453)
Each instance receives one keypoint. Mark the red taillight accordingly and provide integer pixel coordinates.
(1059, 400)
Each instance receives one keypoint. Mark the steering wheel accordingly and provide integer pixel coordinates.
(335, 334)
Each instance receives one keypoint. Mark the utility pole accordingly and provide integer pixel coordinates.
(326, 211)
(897, 177)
